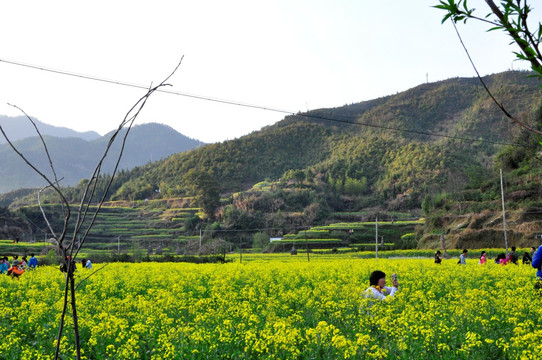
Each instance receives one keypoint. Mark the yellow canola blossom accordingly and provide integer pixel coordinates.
(278, 308)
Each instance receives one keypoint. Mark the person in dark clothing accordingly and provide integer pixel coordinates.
(527, 259)
(438, 257)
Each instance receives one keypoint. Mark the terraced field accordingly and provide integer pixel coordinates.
(129, 229)
(157, 228)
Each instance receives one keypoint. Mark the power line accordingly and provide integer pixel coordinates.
(260, 107)
(123, 83)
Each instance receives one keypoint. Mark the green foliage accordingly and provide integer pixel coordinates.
(344, 167)
(191, 223)
(510, 16)
(205, 188)
(295, 175)
(354, 186)
(261, 240)
(408, 241)
(49, 259)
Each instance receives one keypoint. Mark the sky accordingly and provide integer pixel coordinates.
(286, 55)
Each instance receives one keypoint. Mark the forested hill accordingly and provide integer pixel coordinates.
(379, 148)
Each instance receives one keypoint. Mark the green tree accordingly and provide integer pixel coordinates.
(203, 185)
(261, 240)
(355, 186)
(296, 175)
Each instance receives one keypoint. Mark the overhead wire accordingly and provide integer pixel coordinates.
(260, 107)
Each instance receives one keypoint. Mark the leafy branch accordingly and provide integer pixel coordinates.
(512, 17)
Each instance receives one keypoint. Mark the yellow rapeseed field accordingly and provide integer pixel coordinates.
(278, 307)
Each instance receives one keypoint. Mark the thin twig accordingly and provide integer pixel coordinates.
(503, 109)
(94, 272)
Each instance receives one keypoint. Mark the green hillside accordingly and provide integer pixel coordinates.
(381, 143)
(431, 151)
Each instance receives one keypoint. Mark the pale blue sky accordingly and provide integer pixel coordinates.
(284, 54)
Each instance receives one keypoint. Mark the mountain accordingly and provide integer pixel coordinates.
(75, 158)
(388, 152)
(19, 127)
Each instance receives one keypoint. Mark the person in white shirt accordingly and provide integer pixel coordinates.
(378, 288)
(463, 257)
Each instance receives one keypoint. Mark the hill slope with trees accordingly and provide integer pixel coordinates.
(396, 149)
(431, 151)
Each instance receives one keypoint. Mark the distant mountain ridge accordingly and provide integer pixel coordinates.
(18, 128)
(75, 158)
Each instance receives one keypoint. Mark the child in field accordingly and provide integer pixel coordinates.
(378, 288)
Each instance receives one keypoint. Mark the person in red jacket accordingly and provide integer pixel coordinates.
(15, 270)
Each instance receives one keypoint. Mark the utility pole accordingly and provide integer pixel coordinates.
(118, 239)
(307, 246)
(503, 214)
(376, 238)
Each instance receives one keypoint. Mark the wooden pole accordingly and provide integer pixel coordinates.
(504, 215)
(307, 246)
(376, 238)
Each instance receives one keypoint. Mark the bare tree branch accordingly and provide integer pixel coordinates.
(70, 252)
(83, 280)
(43, 213)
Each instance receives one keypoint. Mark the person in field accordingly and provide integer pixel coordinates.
(3, 266)
(86, 263)
(537, 264)
(527, 258)
(438, 257)
(32, 262)
(378, 288)
(15, 270)
(24, 263)
(463, 257)
(512, 256)
(501, 259)
(483, 258)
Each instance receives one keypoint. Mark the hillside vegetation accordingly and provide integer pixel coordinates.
(431, 151)
(381, 145)
(473, 217)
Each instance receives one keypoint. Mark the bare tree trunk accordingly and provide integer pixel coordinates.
(61, 325)
(75, 319)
